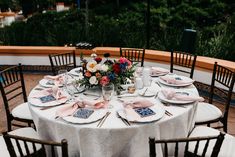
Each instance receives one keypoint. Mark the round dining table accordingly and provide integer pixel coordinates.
(115, 138)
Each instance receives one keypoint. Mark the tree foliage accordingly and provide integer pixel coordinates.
(123, 23)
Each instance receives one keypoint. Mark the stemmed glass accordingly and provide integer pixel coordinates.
(108, 91)
(71, 88)
(64, 74)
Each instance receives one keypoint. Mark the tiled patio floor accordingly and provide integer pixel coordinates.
(31, 80)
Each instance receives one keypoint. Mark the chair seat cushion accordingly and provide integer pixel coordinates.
(25, 132)
(228, 146)
(207, 112)
(3, 148)
(22, 111)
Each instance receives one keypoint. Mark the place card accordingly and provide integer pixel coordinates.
(144, 112)
(83, 113)
(47, 98)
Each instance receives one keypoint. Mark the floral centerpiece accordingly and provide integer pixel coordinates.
(98, 72)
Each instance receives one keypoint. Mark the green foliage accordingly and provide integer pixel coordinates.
(123, 23)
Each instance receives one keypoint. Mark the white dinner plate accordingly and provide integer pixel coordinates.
(184, 78)
(50, 83)
(157, 108)
(95, 116)
(147, 93)
(47, 83)
(75, 71)
(161, 97)
(37, 102)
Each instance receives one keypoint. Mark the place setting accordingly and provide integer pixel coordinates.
(140, 110)
(153, 71)
(59, 80)
(177, 97)
(175, 80)
(82, 111)
(48, 97)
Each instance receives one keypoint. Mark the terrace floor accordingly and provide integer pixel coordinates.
(31, 80)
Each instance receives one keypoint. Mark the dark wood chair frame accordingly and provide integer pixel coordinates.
(225, 77)
(33, 142)
(183, 59)
(62, 61)
(134, 55)
(219, 140)
(13, 78)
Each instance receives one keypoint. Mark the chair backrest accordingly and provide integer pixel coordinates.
(185, 60)
(23, 146)
(62, 61)
(134, 55)
(226, 78)
(198, 143)
(12, 85)
(188, 41)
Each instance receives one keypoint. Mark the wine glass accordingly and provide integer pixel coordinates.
(71, 88)
(108, 91)
(64, 74)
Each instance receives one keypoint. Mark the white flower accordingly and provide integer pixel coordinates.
(91, 66)
(93, 80)
(104, 68)
(93, 55)
(128, 81)
(98, 67)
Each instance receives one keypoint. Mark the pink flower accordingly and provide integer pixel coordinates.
(122, 60)
(104, 80)
(129, 62)
(87, 74)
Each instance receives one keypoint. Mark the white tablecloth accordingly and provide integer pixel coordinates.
(114, 138)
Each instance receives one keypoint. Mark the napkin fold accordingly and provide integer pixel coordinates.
(158, 70)
(129, 107)
(71, 108)
(172, 80)
(174, 95)
(55, 91)
(58, 79)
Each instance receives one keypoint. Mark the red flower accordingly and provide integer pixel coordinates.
(98, 59)
(116, 68)
(104, 80)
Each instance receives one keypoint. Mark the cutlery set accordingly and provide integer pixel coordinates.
(102, 120)
(125, 121)
(168, 113)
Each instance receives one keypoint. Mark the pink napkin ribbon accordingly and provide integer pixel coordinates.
(131, 115)
(57, 92)
(137, 103)
(71, 108)
(58, 79)
(173, 95)
(172, 80)
(158, 70)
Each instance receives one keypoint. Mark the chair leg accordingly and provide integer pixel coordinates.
(209, 124)
(225, 126)
(9, 126)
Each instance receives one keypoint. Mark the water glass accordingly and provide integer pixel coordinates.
(108, 91)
